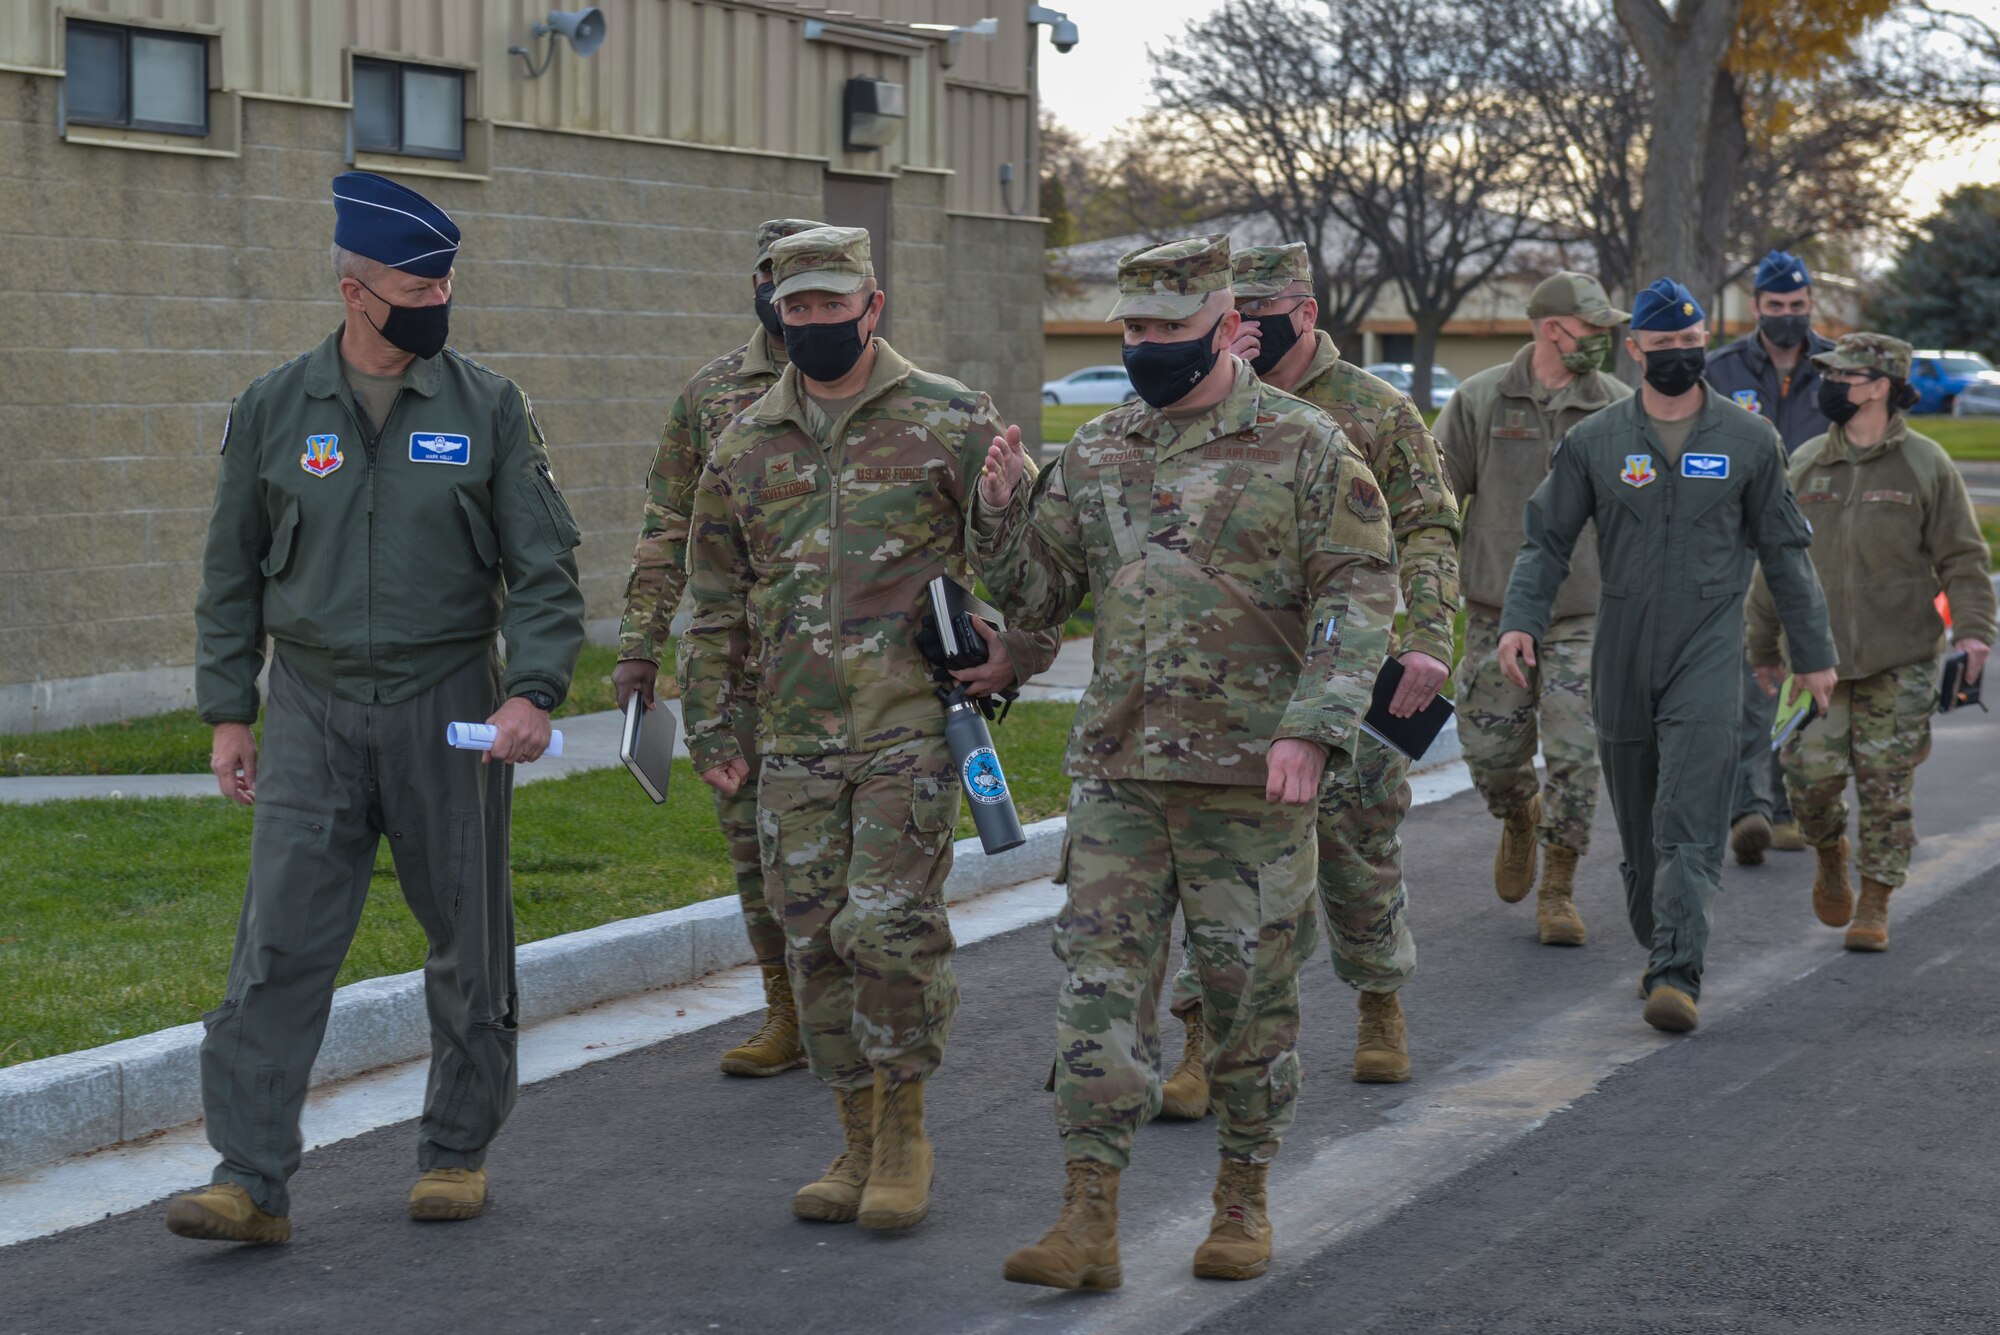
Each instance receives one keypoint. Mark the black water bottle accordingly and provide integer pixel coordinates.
(980, 775)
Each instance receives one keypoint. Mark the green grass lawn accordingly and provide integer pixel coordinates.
(1967, 438)
(177, 743)
(119, 915)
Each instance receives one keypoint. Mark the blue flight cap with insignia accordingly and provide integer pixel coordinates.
(1780, 271)
(393, 225)
(1666, 306)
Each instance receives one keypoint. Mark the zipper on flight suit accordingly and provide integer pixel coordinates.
(370, 443)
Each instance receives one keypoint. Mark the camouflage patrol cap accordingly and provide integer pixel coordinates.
(821, 259)
(1868, 352)
(1265, 271)
(1170, 282)
(1578, 294)
(777, 229)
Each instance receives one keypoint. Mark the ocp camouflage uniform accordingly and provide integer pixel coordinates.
(1498, 434)
(1362, 806)
(814, 549)
(1240, 562)
(710, 401)
(1892, 525)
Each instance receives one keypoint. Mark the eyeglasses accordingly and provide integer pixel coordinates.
(1262, 306)
(1852, 377)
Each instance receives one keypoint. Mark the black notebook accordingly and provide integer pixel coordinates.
(1413, 735)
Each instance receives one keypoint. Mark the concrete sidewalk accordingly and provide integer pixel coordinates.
(590, 742)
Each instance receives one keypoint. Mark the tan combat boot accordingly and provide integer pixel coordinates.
(1381, 1045)
(1748, 838)
(836, 1197)
(898, 1193)
(448, 1193)
(1556, 917)
(1514, 863)
(1870, 929)
(1081, 1251)
(1184, 1098)
(225, 1213)
(1832, 895)
(1238, 1245)
(1787, 837)
(1671, 1010)
(775, 1047)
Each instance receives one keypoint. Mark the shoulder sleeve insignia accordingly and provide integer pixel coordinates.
(1365, 500)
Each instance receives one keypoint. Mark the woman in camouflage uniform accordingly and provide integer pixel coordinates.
(1892, 526)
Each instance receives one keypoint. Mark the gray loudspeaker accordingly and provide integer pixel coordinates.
(583, 27)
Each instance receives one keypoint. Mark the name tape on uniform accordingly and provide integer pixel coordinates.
(1714, 466)
(439, 447)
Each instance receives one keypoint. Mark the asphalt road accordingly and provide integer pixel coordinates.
(1815, 1158)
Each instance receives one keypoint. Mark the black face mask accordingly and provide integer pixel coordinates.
(420, 330)
(1834, 405)
(1675, 371)
(767, 314)
(1166, 373)
(825, 352)
(1275, 338)
(1784, 331)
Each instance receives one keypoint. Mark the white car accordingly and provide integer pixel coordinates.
(1443, 383)
(1093, 384)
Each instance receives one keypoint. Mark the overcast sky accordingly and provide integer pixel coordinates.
(1105, 80)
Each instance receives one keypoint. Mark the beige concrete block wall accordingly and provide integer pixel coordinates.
(145, 289)
(993, 330)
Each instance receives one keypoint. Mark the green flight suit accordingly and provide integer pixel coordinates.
(1677, 547)
(382, 567)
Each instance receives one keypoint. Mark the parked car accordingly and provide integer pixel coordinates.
(1981, 398)
(1400, 374)
(1940, 377)
(1093, 384)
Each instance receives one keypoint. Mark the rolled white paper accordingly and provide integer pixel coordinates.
(479, 737)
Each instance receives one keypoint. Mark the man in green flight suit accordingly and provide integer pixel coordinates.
(709, 402)
(1361, 806)
(1689, 495)
(385, 508)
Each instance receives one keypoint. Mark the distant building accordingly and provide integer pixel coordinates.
(165, 222)
(1488, 328)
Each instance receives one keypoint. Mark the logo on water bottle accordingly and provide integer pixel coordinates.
(983, 780)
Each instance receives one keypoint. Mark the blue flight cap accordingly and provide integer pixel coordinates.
(1666, 306)
(1780, 271)
(393, 225)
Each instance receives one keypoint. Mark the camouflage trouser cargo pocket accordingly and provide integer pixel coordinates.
(856, 848)
(1878, 731)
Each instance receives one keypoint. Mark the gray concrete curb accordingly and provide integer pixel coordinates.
(81, 1101)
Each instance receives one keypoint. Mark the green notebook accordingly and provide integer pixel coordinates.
(1793, 714)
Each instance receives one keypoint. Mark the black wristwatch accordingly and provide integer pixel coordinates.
(541, 700)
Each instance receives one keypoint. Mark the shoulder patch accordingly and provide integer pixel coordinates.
(1365, 499)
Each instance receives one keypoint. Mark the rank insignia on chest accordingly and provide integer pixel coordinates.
(322, 455)
(1639, 470)
(1712, 466)
(1747, 400)
(439, 447)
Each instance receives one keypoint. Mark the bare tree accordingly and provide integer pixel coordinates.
(1383, 122)
(1253, 96)
(1682, 51)
(1574, 64)
(1446, 183)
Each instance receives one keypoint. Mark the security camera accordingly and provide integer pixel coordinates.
(1062, 32)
